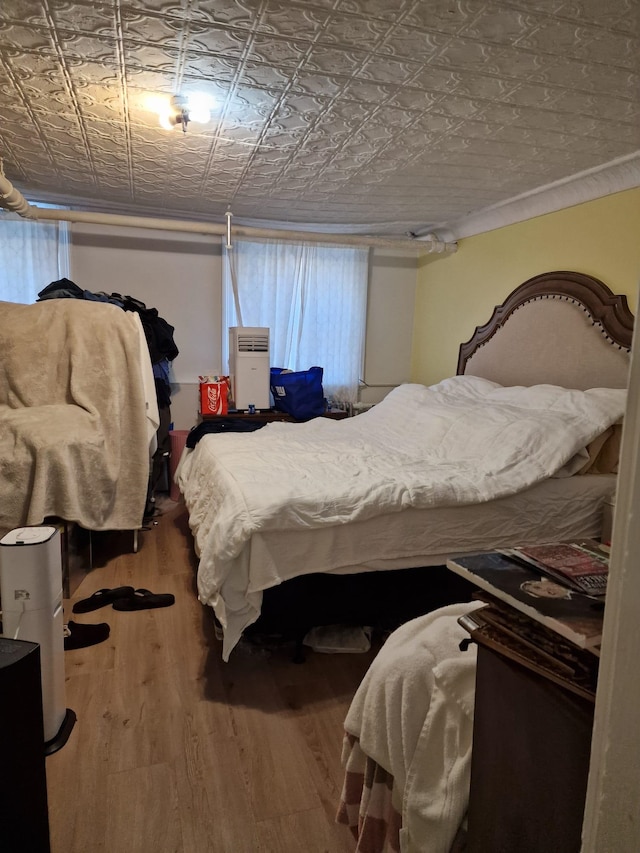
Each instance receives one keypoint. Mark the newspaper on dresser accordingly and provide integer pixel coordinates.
(581, 565)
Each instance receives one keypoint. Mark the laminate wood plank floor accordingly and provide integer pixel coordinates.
(175, 751)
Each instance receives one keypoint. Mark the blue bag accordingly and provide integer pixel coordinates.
(299, 394)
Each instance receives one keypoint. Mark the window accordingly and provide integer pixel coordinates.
(313, 299)
(32, 255)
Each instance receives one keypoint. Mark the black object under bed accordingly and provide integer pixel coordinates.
(383, 600)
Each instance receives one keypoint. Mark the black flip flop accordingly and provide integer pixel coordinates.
(101, 598)
(144, 599)
(78, 636)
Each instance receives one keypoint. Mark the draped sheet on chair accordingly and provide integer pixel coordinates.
(77, 414)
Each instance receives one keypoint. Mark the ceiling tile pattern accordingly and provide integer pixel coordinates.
(392, 115)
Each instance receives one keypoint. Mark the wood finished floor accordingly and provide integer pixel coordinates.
(174, 751)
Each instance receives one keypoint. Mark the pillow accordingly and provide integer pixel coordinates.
(604, 452)
(600, 456)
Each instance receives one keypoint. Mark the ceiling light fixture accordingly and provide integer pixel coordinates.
(179, 111)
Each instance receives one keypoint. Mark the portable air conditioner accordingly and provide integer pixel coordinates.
(249, 366)
(31, 598)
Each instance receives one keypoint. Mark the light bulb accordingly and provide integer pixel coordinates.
(199, 108)
(166, 120)
(157, 103)
(199, 115)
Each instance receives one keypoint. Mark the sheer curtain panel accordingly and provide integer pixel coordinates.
(32, 255)
(313, 299)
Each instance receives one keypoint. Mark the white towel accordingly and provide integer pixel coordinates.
(436, 793)
(390, 710)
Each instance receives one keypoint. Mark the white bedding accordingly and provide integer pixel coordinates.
(463, 441)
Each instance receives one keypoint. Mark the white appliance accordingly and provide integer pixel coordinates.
(31, 599)
(249, 366)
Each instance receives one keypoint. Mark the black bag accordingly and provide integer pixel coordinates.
(299, 394)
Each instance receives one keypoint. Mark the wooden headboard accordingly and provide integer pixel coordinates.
(559, 328)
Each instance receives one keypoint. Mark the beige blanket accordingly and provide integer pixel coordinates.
(73, 423)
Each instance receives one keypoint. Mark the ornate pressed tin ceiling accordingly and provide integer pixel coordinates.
(378, 115)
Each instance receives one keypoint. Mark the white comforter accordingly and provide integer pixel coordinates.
(465, 440)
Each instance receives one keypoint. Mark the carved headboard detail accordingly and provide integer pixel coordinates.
(564, 328)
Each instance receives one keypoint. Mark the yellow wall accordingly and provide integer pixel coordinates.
(458, 292)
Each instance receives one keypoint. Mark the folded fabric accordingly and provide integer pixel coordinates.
(144, 599)
(102, 597)
(78, 636)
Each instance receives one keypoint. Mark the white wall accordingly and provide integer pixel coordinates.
(181, 276)
(390, 309)
(178, 274)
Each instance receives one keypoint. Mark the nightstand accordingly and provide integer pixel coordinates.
(531, 752)
(267, 416)
(534, 702)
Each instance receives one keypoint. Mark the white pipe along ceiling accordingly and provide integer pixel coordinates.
(11, 199)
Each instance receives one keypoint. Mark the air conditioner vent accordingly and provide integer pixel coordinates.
(253, 343)
(249, 366)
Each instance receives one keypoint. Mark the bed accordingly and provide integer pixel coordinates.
(257, 529)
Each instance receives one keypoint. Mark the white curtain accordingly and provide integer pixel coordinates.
(32, 255)
(313, 299)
